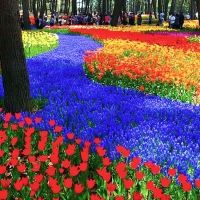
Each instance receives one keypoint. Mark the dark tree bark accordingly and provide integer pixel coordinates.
(166, 9)
(43, 8)
(25, 5)
(154, 8)
(117, 12)
(104, 8)
(124, 5)
(159, 6)
(99, 6)
(173, 4)
(66, 6)
(198, 9)
(13, 62)
(35, 12)
(74, 7)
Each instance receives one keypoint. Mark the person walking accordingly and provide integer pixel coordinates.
(150, 18)
(181, 20)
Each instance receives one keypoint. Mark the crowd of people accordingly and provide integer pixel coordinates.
(174, 20)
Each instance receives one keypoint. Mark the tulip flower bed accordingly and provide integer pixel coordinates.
(36, 42)
(157, 130)
(36, 165)
(156, 71)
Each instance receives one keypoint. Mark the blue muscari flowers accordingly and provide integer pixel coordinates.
(160, 130)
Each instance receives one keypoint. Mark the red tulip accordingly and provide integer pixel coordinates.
(90, 183)
(182, 178)
(68, 183)
(43, 134)
(15, 153)
(5, 183)
(70, 150)
(119, 198)
(2, 169)
(61, 170)
(56, 189)
(135, 162)
(17, 116)
(101, 151)
(1, 153)
(97, 141)
(139, 175)
(38, 178)
(126, 153)
(66, 163)
(83, 166)
(165, 182)
(35, 186)
(36, 167)
(128, 183)
(18, 185)
(28, 120)
(21, 124)
(5, 125)
(197, 182)
(52, 122)
(50, 171)
(21, 168)
(137, 196)
(3, 194)
(120, 149)
(155, 169)
(78, 188)
(187, 186)
(74, 170)
(150, 185)
(25, 181)
(41, 145)
(14, 127)
(70, 136)
(14, 141)
(31, 159)
(111, 187)
(78, 141)
(141, 88)
(122, 174)
(87, 144)
(95, 197)
(7, 117)
(172, 172)
(38, 119)
(58, 129)
(14, 161)
(54, 158)
(149, 164)
(157, 193)
(120, 166)
(106, 161)
(84, 154)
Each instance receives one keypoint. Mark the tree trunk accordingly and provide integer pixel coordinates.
(66, 7)
(198, 9)
(74, 7)
(159, 6)
(124, 5)
(103, 8)
(99, 6)
(43, 8)
(34, 9)
(13, 62)
(25, 4)
(154, 8)
(166, 3)
(173, 3)
(116, 12)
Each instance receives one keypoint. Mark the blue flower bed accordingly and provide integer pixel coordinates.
(157, 129)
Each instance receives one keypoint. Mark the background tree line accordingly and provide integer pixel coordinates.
(102, 6)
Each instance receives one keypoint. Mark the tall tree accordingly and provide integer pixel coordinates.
(13, 62)
(25, 5)
(198, 9)
(74, 7)
(117, 12)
